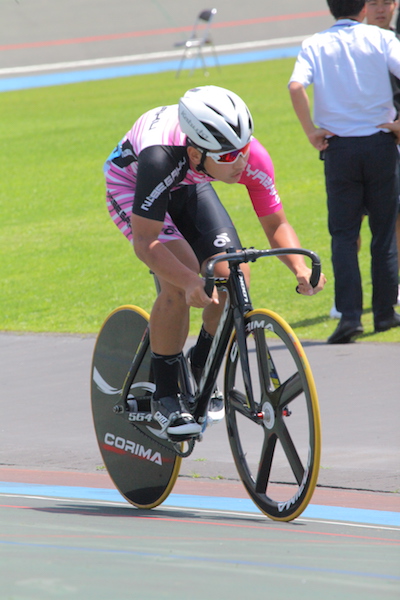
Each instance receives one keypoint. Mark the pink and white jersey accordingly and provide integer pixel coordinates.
(151, 161)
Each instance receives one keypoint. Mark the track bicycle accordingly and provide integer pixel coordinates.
(271, 405)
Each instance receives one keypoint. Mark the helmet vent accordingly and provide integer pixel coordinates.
(215, 119)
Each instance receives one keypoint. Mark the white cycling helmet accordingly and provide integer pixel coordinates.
(214, 118)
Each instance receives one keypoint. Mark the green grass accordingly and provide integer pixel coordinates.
(64, 265)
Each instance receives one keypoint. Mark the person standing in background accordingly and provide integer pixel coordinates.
(360, 155)
(381, 13)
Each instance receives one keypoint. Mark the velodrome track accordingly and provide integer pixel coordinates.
(76, 537)
(65, 531)
(56, 43)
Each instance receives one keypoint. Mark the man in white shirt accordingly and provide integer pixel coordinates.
(349, 65)
(381, 13)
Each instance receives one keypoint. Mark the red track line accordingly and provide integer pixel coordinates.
(304, 15)
(150, 32)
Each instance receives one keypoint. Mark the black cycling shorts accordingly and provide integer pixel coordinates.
(203, 221)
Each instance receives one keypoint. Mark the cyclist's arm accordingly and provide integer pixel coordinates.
(260, 182)
(281, 234)
(160, 168)
(164, 263)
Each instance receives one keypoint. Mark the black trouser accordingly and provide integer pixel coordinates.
(361, 176)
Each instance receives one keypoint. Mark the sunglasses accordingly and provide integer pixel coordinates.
(231, 156)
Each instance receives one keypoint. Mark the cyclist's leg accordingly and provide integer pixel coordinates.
(169, 325)
(202, 219)
(169, 321)
(170, 315)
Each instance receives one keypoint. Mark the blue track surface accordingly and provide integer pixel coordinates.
(331, 513)
(49, 79)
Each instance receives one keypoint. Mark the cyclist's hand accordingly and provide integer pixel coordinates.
(304, 287)
(196, 296)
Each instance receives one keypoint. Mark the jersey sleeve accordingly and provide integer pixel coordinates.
(259, 179)
(160, 168)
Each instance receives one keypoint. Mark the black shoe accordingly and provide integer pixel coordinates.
(195, 371)
(394, 321)
(172, 415)
(345, 332)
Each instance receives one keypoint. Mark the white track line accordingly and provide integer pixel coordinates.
(220, 512)
(98, 62)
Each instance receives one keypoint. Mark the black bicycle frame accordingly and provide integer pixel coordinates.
(237, 304)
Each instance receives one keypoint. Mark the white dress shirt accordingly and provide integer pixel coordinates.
(349, 65)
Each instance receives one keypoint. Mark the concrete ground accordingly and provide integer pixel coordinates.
(46, 422)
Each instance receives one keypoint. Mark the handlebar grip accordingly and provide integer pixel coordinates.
(209, 286)
(315, 275)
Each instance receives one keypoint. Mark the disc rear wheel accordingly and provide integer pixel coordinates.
(143, 467)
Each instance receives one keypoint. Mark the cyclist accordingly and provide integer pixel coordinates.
(160, 196)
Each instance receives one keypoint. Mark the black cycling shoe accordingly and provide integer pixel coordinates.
(171, 414)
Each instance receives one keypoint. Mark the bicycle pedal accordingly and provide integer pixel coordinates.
(176, 438)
